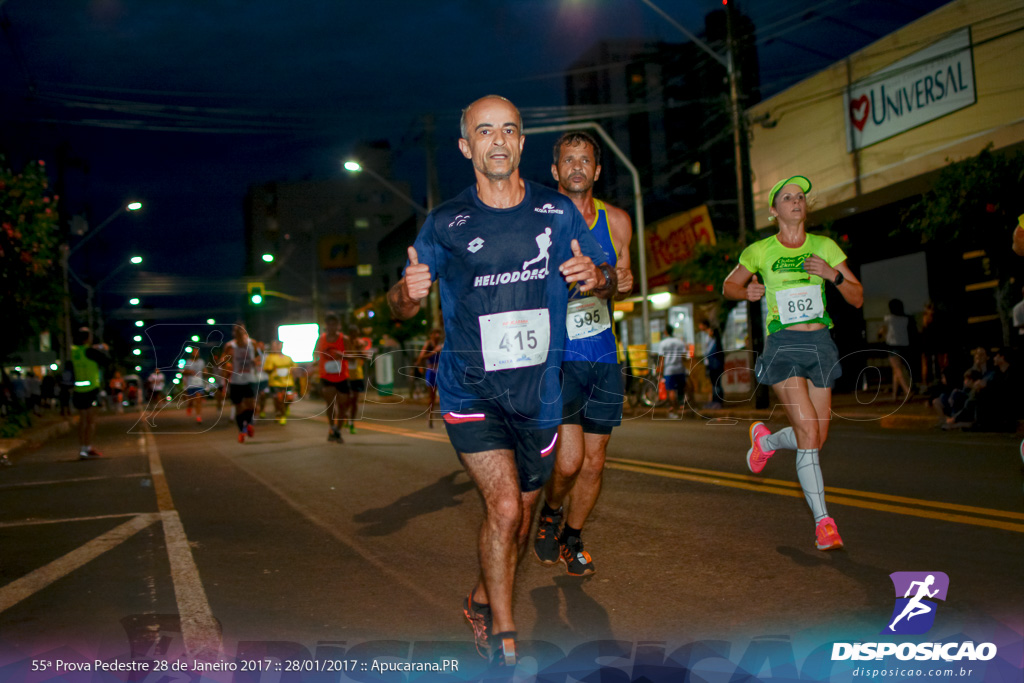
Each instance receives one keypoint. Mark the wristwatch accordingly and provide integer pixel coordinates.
(839, 278)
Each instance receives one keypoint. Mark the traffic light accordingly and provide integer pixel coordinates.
(256, 293)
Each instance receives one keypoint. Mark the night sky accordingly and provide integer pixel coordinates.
(184, 104)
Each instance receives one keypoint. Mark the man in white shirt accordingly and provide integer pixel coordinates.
(1018, 324)
(672, 353)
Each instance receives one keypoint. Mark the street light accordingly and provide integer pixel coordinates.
(353, 166)
(268, 258)
(67, 251)
(134, 301)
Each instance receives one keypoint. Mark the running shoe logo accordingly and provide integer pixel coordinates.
(476, 245)
(916, 592)
(459, 221)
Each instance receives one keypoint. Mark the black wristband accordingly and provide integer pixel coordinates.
(839, 278)
(609, 276)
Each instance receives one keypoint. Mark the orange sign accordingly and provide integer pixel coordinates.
(671, 241)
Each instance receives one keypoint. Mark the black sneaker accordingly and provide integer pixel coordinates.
(504, 650)
(577, 560)
(479, 616)
(546, 546)
(334, 436)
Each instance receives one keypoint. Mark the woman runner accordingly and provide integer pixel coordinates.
(800, 360)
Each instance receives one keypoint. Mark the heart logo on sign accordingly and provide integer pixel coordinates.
(859, 110)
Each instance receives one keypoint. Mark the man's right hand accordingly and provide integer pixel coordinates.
(416, 284)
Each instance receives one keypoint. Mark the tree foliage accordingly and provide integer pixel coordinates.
(30, 293)
(974, 204)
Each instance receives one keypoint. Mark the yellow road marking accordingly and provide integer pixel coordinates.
(440, 436)
(792, 489)
(881, 502)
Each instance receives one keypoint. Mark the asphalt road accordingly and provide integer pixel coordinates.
(182, 541)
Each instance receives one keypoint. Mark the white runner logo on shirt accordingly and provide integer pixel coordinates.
(544, 244)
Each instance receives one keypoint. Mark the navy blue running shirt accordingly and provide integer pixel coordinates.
(503, 299)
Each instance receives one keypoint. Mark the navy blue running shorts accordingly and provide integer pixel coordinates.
(792, 353)
(239, 392)
(592, 395)
(484, 426)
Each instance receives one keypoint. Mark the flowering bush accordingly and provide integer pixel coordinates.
(30, 275)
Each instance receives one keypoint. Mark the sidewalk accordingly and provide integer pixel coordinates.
(915, 413)
(42, 430)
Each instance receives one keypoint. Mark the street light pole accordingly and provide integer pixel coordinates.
(739, 139)
(66, 252)
(354, 166)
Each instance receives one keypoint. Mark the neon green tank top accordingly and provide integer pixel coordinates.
(87, 371)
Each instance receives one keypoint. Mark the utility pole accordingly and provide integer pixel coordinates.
(744, 214)
(744, 209)
(433, 198)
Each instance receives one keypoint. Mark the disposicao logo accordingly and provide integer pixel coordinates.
(916, 594)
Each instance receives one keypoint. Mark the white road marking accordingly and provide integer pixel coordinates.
(18, 590)
(199, 629)
(34, 522)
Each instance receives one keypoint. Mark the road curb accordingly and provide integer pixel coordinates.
(32, 437)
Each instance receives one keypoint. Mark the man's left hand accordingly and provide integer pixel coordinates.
(581, 268)
(625, 276)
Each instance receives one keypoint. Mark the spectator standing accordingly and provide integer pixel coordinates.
(714, 362)
(1018, 324)
(897, 331)
(672, 366)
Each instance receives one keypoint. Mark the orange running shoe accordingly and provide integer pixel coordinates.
(827, 535)
(241, 437)
(756, 457)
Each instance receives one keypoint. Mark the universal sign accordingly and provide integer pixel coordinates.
(927, 85)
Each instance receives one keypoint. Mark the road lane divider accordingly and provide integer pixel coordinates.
(881, 502)
(199, 629)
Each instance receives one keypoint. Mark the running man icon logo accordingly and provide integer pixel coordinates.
(543, 243)
(914, 612)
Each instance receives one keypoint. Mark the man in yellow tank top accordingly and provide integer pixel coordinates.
(278, 367)
(358, 354)
(592, 378)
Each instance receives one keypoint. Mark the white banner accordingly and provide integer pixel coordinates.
(928, 84)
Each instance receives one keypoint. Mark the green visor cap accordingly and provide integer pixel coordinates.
(798, 180)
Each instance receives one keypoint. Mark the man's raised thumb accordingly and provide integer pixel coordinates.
(576, 248)
(413, 258)
(755, 274)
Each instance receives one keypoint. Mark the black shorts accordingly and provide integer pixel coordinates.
(792, 353)
(592, 395)
(83, 400)
(239, 392)
(357, 386)
(484, 426)
(341, 387)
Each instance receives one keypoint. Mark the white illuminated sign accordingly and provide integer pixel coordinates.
(299, 341)
(927, 85)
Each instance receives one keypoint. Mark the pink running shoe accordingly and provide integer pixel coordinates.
(757, 458)
(827, 535)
